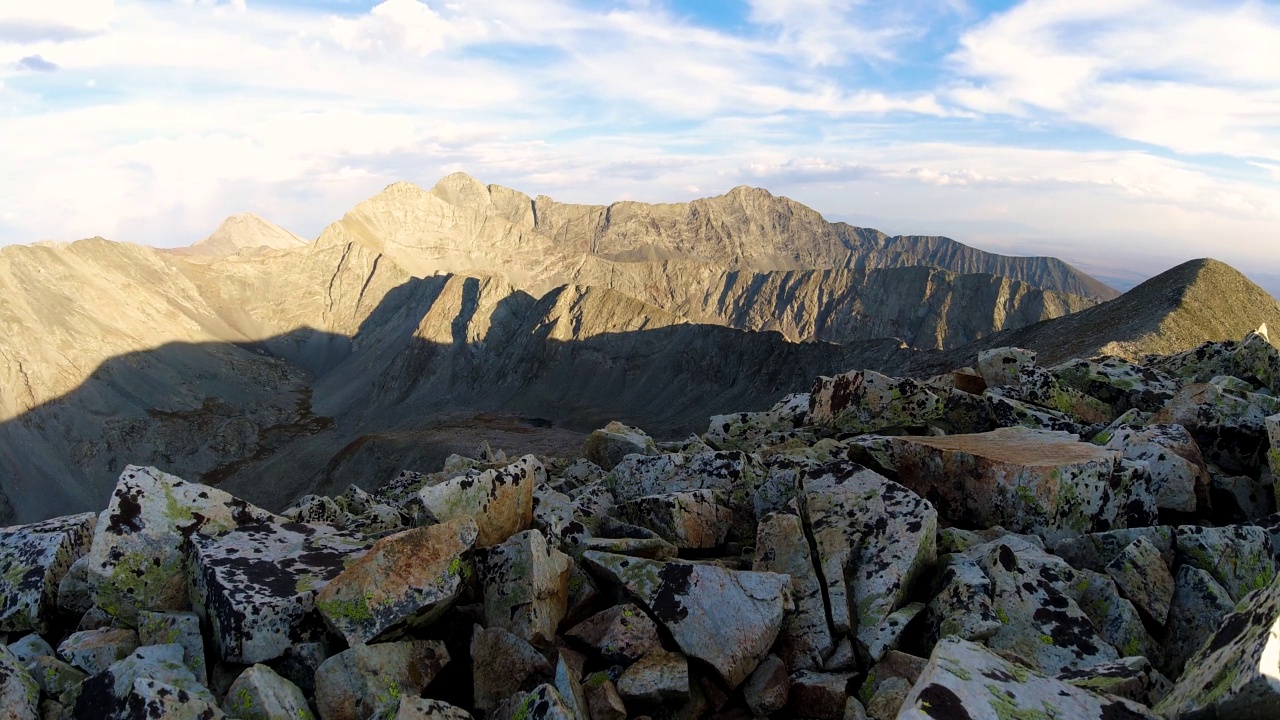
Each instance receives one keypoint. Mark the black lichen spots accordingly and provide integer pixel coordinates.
(941, 703)
(128, 518)
(673, 585)
(1008, 560)
(1067, 630)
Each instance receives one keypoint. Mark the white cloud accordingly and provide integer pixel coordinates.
(33, 21)
(1192, 77)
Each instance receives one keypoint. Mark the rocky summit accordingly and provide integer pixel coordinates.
(1095, 539)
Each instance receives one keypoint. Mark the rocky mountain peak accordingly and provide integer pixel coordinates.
(245, 232)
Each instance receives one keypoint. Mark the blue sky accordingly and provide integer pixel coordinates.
(1122, 135)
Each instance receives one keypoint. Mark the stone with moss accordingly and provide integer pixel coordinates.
(618, 635)
(259, 693)
(138, 558)
(1239, 557)
(182, 628)
(542, 703)
(499, 500)
(1000, 689)
(1234, 674)
(1198, 608)
(728, 619)
(95, 650)
(153, 677)
(19, 692)
(248, 584)
(367, 679)
(526, 586)
(404, 581)
(34, 559)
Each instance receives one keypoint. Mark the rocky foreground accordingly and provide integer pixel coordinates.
(1096, 539)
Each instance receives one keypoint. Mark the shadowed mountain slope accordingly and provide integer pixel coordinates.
(1178, 309)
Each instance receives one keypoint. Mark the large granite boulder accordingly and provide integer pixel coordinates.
(1229, 424)
(619, 635)
(256, 585)
(33, 561)
(502, 665)
(725, 618)
(1177, 467)
(689, 519)
(873, 539)
(1117, 382)
(965, 680)
(1236, 674)
(366, 679)
(526, 586)
(1239, 557)
(499, 500)
(1199, 604)
(1032, 481)
(405, 580)
(19, 692)
(259, 692)
(782, 547)
(138, 558)
(151, 682)
(864, 401)
(607, 447)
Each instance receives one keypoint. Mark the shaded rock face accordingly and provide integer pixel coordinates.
(777, 566)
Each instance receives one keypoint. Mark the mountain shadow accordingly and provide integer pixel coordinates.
(439, 366)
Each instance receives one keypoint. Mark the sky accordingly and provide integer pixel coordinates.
(1124, 136)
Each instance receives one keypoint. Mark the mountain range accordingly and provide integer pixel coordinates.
(425, 322)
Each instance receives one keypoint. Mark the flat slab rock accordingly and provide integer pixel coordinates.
(257, 584)
(33, 561)
(138, 560)
(966, 680)
(727, 619)
(1030, 481)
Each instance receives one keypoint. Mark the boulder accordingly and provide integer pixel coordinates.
(95, 650)
(416, 708)
(568, 683)
(34, 559)
(1199, 604)
(138, 559)
(1132, 678)
(542, 703)
(54, 676)
(499, 500)
(74, 594)
(19, 693)
(689, 519)
(1229, 425)
(1142, 576)
(964, 679)
(657, 677)
(767, 689)
(554, 515)
(865, 401)
(256, 585)
(31, 647)
(1032, 481)
(619, 635)
(608, 446)
(1041, 621)
(366, 679)
(1005, 366)
(260, 693)
(1239, 557)
(730, 471)
(873, 539)
(526, 586)
(603, 700)
(151, 682)
(782, 547)
(175, 628)
(962, 604)
(403, 581)
(1177, 465)
(1119, 383)
(745, 431)
(1236, 674)
(725, 618)
(1097, 550)
(502, 665)
(819, 695)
